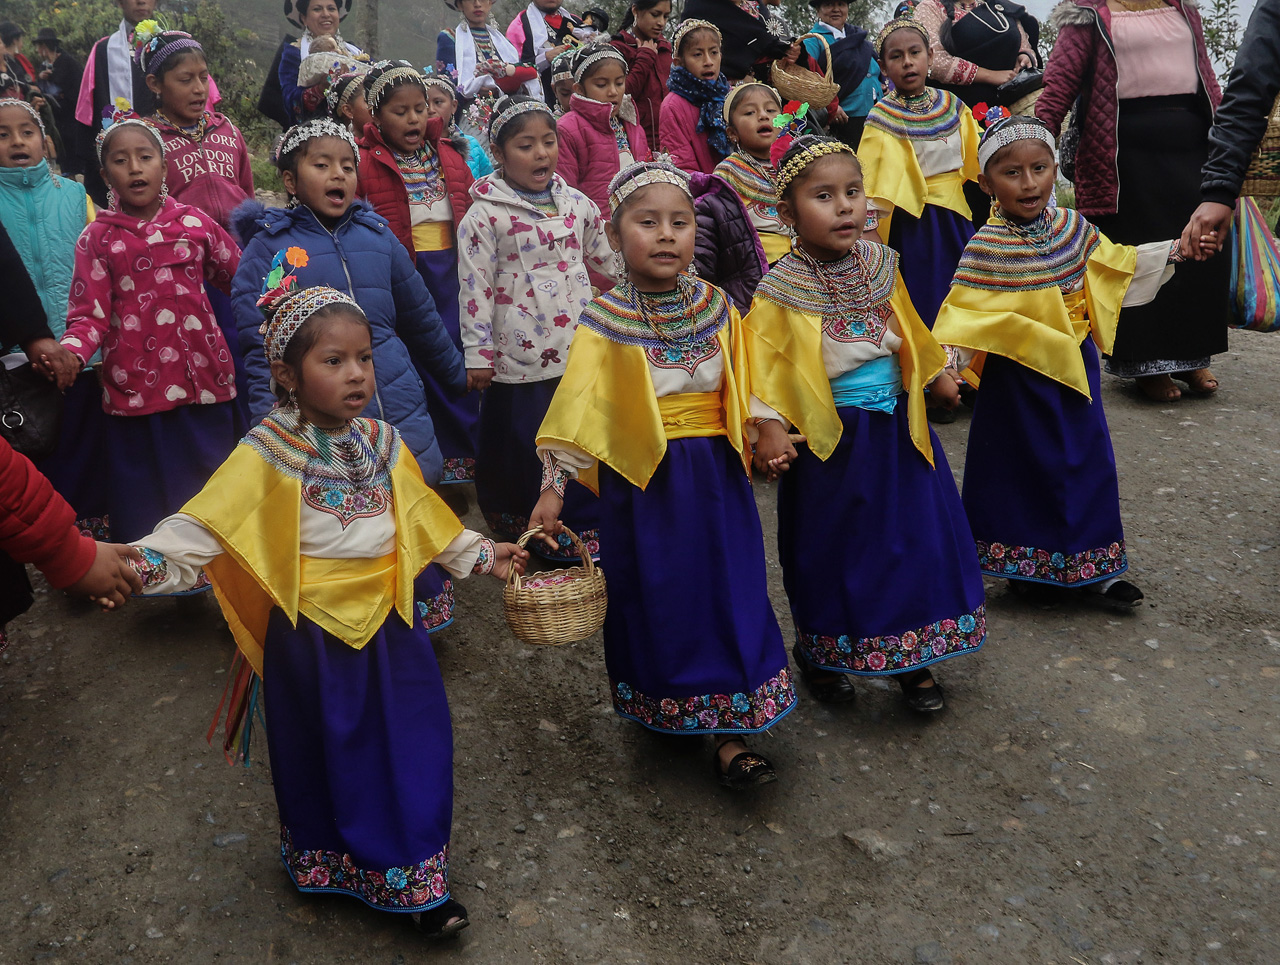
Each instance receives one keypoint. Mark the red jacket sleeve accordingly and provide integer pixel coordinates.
(523, 74)
(37, 525)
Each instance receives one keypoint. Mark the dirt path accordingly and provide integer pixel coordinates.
(1099, 790)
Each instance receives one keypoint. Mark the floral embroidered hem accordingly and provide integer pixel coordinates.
(511, 527)
(869, 656)
(406, 888)
(741, 713)
(437, 613)
(458, 469)
(1043, 566)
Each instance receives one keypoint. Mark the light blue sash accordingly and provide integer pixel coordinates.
(874, 385)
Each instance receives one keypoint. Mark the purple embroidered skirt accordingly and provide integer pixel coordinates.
(509, 473)
(1040, 478)
(362, 759)
(691, 643)
(877, 556)
(457, 420)
(931, 246)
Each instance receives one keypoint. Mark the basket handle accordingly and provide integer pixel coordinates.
(827, 47)
(514, 578)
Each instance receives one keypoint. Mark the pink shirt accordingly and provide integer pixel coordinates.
(138, 293)
(1155, 53)
(212, 174)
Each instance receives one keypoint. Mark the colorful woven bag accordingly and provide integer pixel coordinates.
(1255, 271)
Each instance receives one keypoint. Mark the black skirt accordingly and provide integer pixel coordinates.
(1163, 143)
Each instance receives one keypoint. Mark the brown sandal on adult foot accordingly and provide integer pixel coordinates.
(1159, 388)
(1201, 382)
(743, 770)
(825, 686)
(922, 693)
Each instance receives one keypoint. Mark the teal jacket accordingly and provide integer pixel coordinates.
(44, 215)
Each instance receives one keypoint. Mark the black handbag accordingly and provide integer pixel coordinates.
(1026, 81)
(1069, 143)
(30, 411)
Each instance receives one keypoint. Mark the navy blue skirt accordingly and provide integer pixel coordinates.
(931, 246)
(691, 642)
(1040, 478)
(76, 466)
(457, 420)
(877, 556)
(362, 759)
(155, 463)
(509, 472)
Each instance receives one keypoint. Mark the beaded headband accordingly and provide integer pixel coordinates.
(500, 120)
(376, 88)
(121, 119)
(155, 50)
(35, 115)
(641, 174)
(287, 306)
(689, 26)
(343, 89)
(440, 80)
(299, 134)
(896, 24)
(562, 67)
(1009, 131)
(806, 155)
(589, 57)
(734, 93)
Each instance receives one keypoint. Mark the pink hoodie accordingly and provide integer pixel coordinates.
(589, 150)
(212, 174)
(138, 291)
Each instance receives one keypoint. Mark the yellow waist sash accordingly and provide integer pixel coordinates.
(688, 415)
(433, 236)
(775, 245)
(347, 598)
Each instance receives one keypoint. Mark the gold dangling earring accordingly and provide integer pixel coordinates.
(619, 266)
(293, 399)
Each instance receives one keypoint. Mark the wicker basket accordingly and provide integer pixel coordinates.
(556, 606)
(1262, 180)
(796, 83)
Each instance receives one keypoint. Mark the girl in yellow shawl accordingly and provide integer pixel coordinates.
(1037, 294)
(652, 412)
(877, 557)
(317, 534)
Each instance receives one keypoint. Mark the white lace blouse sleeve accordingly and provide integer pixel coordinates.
(468, 553)
(1153, 270)
(174, 554)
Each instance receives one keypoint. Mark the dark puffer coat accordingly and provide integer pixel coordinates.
(727, 250)
(362, 258)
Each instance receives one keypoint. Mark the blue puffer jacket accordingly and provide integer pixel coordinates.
(44, 215)
(362, 258)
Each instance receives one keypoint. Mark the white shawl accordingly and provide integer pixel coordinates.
(464, 51)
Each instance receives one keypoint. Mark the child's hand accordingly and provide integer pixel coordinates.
(944, 391)
(508, 556)
(110, 580)
(774, 450)
(478, 379)
(547, 515)
(793, 52)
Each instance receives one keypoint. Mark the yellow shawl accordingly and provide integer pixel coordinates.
(606, 406)
(784, 357)
(253, 510)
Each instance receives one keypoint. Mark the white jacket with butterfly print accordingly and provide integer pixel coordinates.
(524, 278)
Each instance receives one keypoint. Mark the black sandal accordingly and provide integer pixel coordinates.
(833, 688)
(1120, 595)
(444, 921)
(745, 770)
(923, 700)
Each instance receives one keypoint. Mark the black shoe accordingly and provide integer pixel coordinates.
(1120, 595)
(745, 770)
(828, 687)
(923, 700)
(940, 416)
(1037, 594)
(444, 921)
